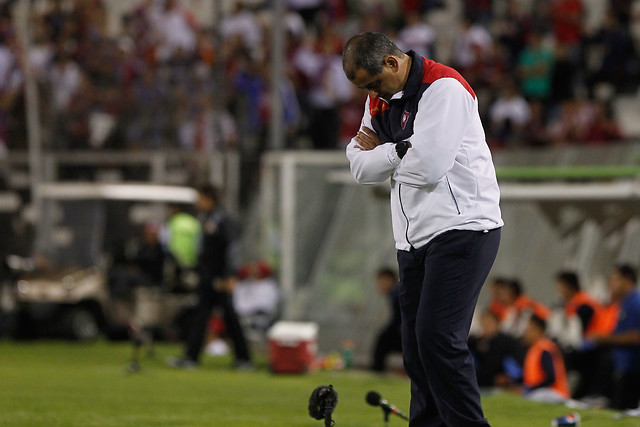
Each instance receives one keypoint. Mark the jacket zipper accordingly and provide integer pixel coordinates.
(453, 196)
(406, 230)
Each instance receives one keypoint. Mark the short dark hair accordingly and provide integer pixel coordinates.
(627, 272)
(569, 279)
(500, 281)
(515, 286)
(387, 272)
(367, 51)
(210, 192)
(539, 322)
(512, 285)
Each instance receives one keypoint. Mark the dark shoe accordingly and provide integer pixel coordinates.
(244, 365)
(182, 363)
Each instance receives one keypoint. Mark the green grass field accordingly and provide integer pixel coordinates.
(66, 384)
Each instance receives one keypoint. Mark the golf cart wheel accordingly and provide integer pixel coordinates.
(82, 324)
(20, 326)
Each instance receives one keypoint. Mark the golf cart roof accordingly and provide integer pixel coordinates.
(133, 192)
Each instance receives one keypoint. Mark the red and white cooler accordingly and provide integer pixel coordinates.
(292, 346)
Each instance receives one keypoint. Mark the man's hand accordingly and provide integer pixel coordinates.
(367, 139)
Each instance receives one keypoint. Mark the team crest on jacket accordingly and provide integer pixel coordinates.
(404, 119)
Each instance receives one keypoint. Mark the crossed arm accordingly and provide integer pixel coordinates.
(438, 132)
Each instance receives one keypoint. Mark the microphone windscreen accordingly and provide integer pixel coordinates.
(373, 398)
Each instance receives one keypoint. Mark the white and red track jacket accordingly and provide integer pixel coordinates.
(446, 180)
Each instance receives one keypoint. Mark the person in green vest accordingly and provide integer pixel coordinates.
(183, 232)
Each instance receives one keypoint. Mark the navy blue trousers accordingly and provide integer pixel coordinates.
(439, 287)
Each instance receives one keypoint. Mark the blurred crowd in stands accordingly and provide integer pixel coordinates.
(543, 76)
(584, 348)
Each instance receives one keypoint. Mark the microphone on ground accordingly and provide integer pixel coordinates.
(374, 399)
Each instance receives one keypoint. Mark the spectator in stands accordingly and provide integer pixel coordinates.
(563, 74)
(175, 29)
(544, 375)
(243, 27)
(308, 9)
(55, 20)
(512, 30)
(520, 307)
(73, 129)
(535, 65)
(328, 87)
(208, 130)
(566, 18)
(604, 127)
(535, 133)
(164, 40)
(11, 78)
(65, 77)
(150, 97)
(572, 122)
(389, 338)
(616, 55)
(480, 11)
(509, 116)
(494, 351)
(624, 341)
(416, 35)
(472, 43)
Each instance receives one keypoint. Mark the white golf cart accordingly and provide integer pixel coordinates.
(70, 291)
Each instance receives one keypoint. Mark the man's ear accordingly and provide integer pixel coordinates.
(392, 62)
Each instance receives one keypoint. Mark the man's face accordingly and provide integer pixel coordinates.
(490, 325)
(504, 295)
(382, 85)
(564, 290)
(617, 286)
(385, 284)
(204, 203)
(531, 334)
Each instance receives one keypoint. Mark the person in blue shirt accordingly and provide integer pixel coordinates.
(624, 341)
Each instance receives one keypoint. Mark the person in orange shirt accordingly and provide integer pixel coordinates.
(544, 376)
(519, 307)
(578, 303)
(589, 363)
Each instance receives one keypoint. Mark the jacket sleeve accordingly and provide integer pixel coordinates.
(444, 113)
(372, 166)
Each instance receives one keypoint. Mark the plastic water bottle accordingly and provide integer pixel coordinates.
(570, 420)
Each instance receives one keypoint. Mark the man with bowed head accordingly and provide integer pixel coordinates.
(421, 129)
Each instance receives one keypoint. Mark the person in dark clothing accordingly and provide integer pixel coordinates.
(421, 129)
(577, 302)
(624, 341)
(150, 257)
(216, 269)
(494, 352)
(591, 364)
(389, 339)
